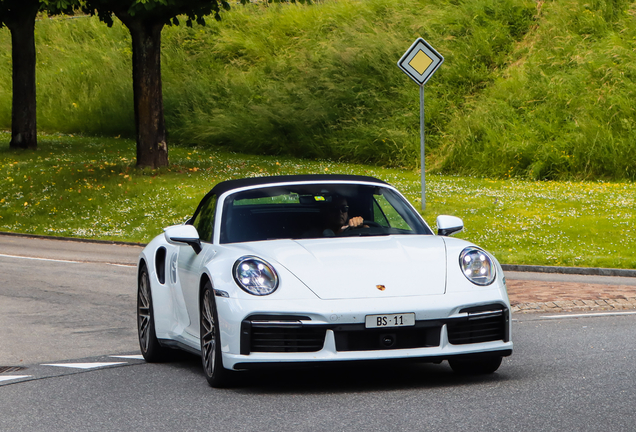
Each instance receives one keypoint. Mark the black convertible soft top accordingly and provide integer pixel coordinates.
(228, 185)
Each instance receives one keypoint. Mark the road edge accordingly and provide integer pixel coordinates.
(72, 239)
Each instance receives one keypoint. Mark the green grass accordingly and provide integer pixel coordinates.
(89, 188)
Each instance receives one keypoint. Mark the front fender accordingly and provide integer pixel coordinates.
(163, 310)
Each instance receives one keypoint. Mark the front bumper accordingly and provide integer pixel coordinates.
(329, 353)
(442, 331)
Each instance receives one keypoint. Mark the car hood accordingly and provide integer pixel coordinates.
(362, 267)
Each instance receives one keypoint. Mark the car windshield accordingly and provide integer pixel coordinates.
(317, 211)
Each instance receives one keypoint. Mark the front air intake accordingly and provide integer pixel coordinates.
(280, 334)
(482, 326)
(270, 339)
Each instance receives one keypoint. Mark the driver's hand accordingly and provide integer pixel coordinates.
(355, 222)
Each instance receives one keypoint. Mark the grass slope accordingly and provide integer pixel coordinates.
(321, 81)
(530, 89)
(564, 105)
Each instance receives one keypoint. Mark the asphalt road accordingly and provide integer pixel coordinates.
(567, 374)
(68, 250)
(63, 302)
(60, 310)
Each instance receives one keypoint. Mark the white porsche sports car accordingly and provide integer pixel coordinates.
(319, 268)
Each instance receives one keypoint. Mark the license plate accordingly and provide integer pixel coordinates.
(391, 320)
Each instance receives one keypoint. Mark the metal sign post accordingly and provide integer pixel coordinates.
(420, 62)
(422, 147)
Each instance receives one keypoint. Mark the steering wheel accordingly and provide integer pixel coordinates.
(368, 224)
(371, 224)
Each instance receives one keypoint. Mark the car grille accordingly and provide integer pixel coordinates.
(478, 327)
(387, 338)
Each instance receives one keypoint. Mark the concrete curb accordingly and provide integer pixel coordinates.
(587, 271)
(72, 239)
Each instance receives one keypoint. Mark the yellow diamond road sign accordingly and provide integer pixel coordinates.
(420, 61)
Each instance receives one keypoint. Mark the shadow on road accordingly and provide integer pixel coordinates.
(344, 378)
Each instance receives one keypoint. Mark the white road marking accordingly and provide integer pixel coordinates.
(84, 365)
(12, 377)
(67, 261)
(134, 357)
(586, 315)
(39, 259)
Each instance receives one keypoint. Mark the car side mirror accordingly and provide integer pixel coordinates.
(183, 234)
(447, 225)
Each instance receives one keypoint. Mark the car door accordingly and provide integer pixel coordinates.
(191, 265)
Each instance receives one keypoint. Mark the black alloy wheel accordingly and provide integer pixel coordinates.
(150, 348)
(211, 357)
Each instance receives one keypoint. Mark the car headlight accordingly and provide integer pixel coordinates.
(255, 276)
(477, 266)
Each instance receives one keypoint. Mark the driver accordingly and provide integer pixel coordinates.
(337, 217)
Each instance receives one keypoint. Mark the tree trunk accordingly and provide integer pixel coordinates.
(23, 109)
(152, 149)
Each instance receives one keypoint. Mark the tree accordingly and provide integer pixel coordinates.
(19, 17)
(145, 20)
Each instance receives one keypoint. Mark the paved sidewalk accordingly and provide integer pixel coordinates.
(562, 296)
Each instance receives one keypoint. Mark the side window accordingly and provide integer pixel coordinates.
(378, 215)
(386, 215)
(204, 222)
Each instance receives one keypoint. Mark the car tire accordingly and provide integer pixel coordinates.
(211, 356)
(480, 366)
(152, 351)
